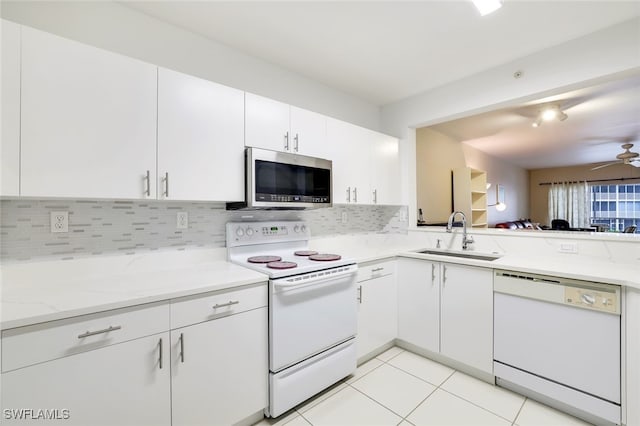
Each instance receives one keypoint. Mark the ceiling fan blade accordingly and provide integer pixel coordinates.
(635, 162)
(606, 165)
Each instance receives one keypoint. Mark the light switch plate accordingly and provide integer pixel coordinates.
(59, 222)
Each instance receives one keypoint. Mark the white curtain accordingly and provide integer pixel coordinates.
(570, 201)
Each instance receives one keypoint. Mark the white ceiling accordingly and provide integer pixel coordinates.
(600, 119)
(384, 51)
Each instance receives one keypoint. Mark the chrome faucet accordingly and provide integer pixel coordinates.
(465, 240)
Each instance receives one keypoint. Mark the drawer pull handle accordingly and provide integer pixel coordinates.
(223, 305)
(93, 333)
(181, 347)
(377, 270)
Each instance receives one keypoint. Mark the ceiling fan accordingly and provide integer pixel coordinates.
(626, 157)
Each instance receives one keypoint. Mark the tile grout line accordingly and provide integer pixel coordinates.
(519, 411)
(427, 397)
(483, 408)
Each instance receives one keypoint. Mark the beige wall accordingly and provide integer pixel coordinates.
(514, 179)
(438, 154)
(538, 193)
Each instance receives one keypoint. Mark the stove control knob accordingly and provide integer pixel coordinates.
(303, 229)
(296, 229)
(239, 232)
(249, 232)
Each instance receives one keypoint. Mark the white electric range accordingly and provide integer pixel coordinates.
(312, 308)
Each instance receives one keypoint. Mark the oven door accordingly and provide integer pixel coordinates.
(310, 315)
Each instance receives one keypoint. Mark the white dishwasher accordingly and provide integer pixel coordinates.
(558, 340)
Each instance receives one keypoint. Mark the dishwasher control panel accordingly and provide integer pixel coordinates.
(599, 300)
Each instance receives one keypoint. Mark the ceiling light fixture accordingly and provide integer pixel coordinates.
(548, 114)
(485, 7)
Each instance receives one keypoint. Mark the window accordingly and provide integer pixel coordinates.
(615, 206)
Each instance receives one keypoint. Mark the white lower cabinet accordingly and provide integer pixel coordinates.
(377, 308)
(219, 367)
(448, 309)
(124, 383)
(466, 315)
(419, 303)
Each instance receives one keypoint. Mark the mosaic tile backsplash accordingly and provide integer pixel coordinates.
(98, 227)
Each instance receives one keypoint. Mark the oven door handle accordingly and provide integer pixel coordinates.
(319, 277)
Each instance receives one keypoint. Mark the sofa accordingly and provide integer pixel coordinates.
(518, 224)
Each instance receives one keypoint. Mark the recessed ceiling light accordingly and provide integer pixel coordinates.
(485, 7)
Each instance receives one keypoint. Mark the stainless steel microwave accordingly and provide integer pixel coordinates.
(280, 180)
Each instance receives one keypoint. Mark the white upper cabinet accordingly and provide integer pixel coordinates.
(10, 90)
(267, 123)
(309, 133)
(88, 121)
(385, 165)
(280, 127)
(200, 139)
(366, 168)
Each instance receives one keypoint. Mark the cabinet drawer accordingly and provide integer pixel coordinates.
(37, 343)
(372, 270)
(195, 309)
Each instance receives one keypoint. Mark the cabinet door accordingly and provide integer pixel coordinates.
(385, 176)
(267, 123)
(88, 121)
(200, 139)
(419, 303)
(10, 142)
(377, 313)
(219, 369)
(121, 384)
(349, 147)
(308, 133)
(467, 315)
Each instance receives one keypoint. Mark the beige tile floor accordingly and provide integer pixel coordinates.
(401, 388)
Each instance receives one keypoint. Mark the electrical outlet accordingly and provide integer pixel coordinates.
(59, 222)
(403, 215)
(182, 220)
(568, 247)
(345, 217)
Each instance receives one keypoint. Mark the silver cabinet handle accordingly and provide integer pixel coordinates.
(295, 143)
(93, 333)
(166, 184)
(286, 141)
(377, 270)
(360, 294)
(433, 273)
(181, 347)
(147, 180)
(348, 194)
(229, 303)
(375, 196)
(160, 353)
(355, 194)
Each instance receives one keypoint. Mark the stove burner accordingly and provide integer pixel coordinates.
(281, 265)
(264, 259)
(325, 257)
(305, 253)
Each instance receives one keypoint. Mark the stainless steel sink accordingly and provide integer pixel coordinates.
(468, 255)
